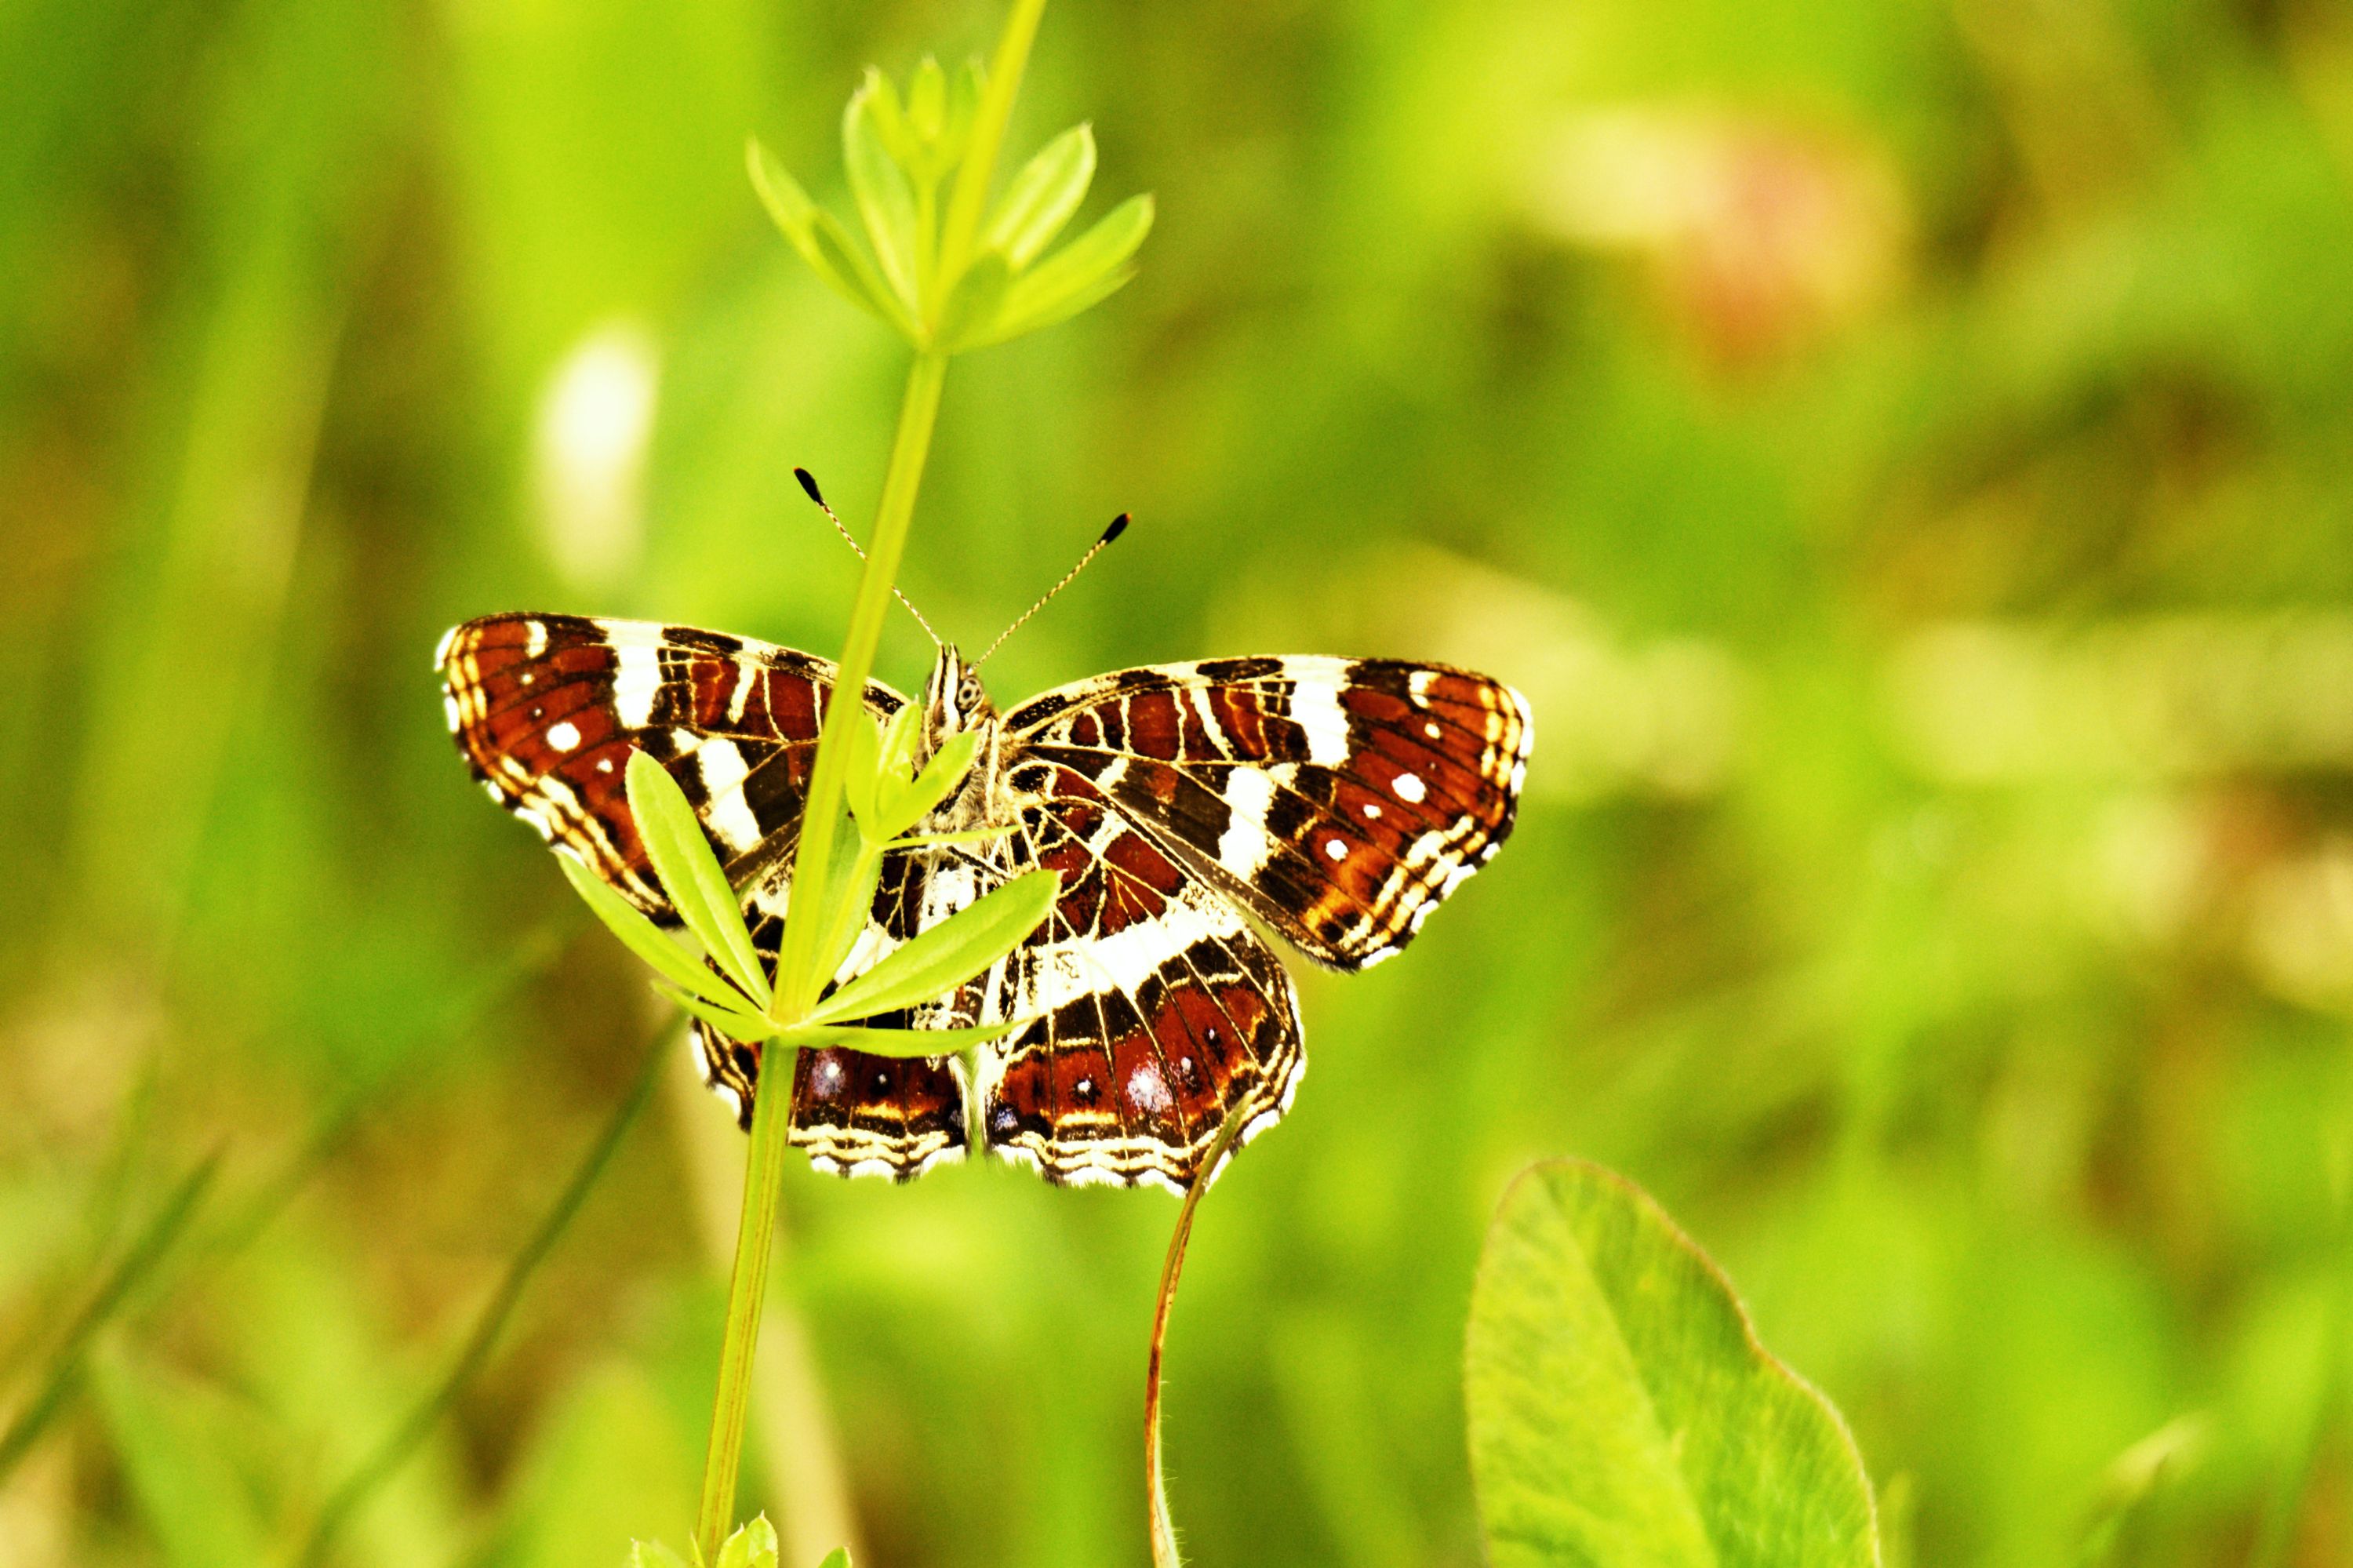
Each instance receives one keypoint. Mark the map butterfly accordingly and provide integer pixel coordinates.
(1334, 801)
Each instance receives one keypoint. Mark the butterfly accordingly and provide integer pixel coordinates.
(1334, 802)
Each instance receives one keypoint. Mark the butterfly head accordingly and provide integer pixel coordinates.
(954, 699)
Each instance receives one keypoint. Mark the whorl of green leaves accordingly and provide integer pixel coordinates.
(899, 155)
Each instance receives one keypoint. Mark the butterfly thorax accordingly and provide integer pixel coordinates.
(954, 702)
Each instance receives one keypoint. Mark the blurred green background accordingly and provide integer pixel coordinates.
(1900, 449)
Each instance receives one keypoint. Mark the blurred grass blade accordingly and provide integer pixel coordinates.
(885, 200)
(690, 875)
(896, 1042)
(1095, 264)
(1617, 1393)
(1165, 1553)
(175, 1440)
(645, 938)
(1042, 197)
(140, 1259)
(822, 242)
(403, 1440)
(948, 955)
(2163, 1455)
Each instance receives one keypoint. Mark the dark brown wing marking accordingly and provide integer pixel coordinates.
(1340, 801)
(547, 708)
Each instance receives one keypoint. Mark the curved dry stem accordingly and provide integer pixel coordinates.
(1164, 1531)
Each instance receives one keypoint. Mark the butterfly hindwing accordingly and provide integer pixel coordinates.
(1338, 799)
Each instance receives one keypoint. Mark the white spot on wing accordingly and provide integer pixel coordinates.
(1316, 708)
(534, 641)
(564, 737)
(729, 814)
(636, 678)
(1336, 849)
(1410, 789)
(442, 649)
(450, 711)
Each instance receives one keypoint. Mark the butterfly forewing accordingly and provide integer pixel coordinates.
(547, 708)
(1340, 801)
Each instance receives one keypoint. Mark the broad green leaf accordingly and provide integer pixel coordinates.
(837, 1558)
(948, 954)
(1095, 264)
(752, 1546)
(896, 1042)
(735, 1022)
(1042, 197)
(821, 240)
(911, 802)
(690, 874)
(1622, 1411)
(653, 1554)
(972, 310)
(645, 938)
(885, 199)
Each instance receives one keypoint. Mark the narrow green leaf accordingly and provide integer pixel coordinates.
(927, 99)
(972, 309)
(862, 782)
(900, 738)
(885, 198)
(690, 874)
(1621, 1409)
(752, 1546)
(645, 938)
(653, 1554)
(895, 1042)
(899, 138)
(822, 242)
(948, 955)
(177, 1441)
(852, 902)
(865, 287)
(1042, 197)
(1095, 264)
(911, 800)
(964, 108)
(733, 1022)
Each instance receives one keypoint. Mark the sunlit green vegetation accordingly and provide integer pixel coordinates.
(1902, 452)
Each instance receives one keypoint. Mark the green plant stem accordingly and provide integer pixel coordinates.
(798, 980)
(1165, 1553)
(968, 201)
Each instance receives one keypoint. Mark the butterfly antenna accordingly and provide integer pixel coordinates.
(808, 482)
(1118, 526)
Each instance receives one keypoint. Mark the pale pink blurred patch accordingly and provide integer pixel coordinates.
(1762, 236)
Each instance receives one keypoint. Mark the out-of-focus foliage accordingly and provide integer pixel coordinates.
(1901, 452)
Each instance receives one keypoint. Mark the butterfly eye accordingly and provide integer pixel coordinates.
(968, 693)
